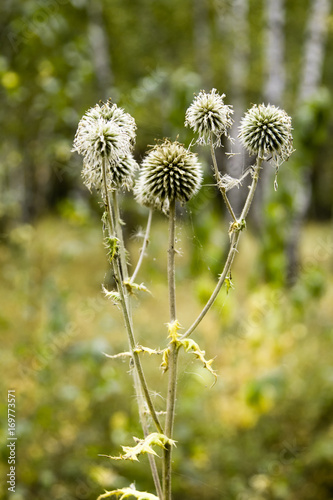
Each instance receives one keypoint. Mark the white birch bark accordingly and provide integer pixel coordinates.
(311, 77)
(275, 52)
(202, 40)
(314, 48)
(239, 69)
(274, 87)
(99, 46)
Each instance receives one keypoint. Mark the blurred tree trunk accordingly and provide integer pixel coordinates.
(274, 88)
(100, 47)
(239, 69)
(202, 42)
(311, 76)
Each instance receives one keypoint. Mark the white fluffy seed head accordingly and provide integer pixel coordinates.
(169, 172)
(106, 134)
(266, 131)
(209, 117)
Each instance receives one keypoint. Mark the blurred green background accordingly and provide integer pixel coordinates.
(265, 430)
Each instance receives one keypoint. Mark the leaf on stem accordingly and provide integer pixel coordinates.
(123, 493)
(227, 182)
(112, 295)
(228, 283)
(144, 446)
(139, 349)
(191, 346)
(132, 287)
(236, 227)
(112, 245)
(173, 329)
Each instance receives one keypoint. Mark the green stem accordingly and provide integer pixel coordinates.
(144, 246)
(145, 428)
(140, 383)
(119, 234)
(232, 251)
(173, 358)
(217, 175)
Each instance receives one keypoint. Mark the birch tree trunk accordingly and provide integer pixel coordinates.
(99, 46)
(201, 35)
(311, 75)
(275, 81)
(239, 69)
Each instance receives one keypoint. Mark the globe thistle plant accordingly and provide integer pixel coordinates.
(169, 172)
(266, 131)
(105, 138)
(209, 117)
(122, 176)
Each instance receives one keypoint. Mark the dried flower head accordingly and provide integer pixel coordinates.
(169, 172)
(106, 135)
(266, 131)
(210, 117)
(121, 176)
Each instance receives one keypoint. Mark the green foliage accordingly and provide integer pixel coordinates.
(263, 430)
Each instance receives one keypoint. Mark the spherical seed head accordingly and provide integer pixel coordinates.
(122, 176)
(266, 131)
(209, 117)
(169, 172)
(110, 112)
(106, 135)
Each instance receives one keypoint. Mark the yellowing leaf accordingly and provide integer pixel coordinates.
(144, 446)
(123, 493)
(191, 346)
(132, 287)
(173, 329)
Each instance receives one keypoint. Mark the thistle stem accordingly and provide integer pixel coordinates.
(140, 384)
(145, 428)
(232, 251)
(144, 246)
(217, 175)
(119, 234)
(173, 358)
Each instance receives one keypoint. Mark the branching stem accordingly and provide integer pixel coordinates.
(173, 357)
(120, 270)
(144, 246)
(235, 236)
(217, 176)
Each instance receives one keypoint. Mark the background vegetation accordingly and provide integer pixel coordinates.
(264, 431)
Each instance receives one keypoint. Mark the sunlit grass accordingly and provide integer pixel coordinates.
(272, 348)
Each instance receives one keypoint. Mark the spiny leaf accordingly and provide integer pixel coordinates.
(123, 493)
(165, 359)
(173, 329)
(132, 287)
(139, 349)
(112, 295)
(228, 283)
(112, 244)
(191, 345)
(144, 446)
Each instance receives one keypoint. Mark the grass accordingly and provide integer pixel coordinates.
(264, 431)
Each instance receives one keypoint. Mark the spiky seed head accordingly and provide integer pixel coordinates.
(169, 172)
(266, 131)
(209, 117)
(106, 134)
(121, 176)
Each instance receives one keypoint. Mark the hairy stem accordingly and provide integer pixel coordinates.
(143, 419)
(140, 384)
(217, 175)
(173, 358)
(144, 246)
(232, 250)
(119, 234)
